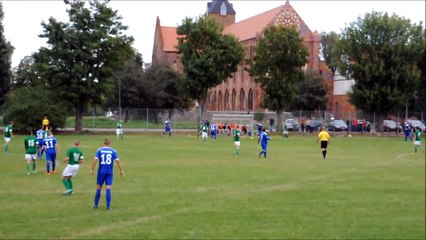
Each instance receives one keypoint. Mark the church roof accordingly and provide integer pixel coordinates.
(214, 7)
(248, 28)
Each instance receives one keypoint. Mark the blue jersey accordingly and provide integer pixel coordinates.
(106, 157)
(213, 128)
(40, 134)
(167, 126)
(49, 143)
(264, 139)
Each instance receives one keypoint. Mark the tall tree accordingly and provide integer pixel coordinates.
(381, 53)
(328, 43)
(6, 51)
(277, 66)
(82, 54)
(209, 56)
(311, 93)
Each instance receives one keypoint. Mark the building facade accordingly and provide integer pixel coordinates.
(241, 93)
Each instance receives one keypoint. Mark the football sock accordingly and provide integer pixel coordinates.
(108, 198)
(6, 148)
(53, 165)
(27, 166)
(238, 152)
(65, 182)
(34, 165)
(323, 153)
(97, 196)
(70, 184)
(48, 166)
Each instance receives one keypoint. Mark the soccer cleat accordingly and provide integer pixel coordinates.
(54, 171)
(35, 171)
(47, 173)
(28, 173)
(67, 192)
(108, 208)
(95, 207)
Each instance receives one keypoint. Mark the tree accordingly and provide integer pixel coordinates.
(328, 43)
(311, 93)
(6, 51)
(277, 67)
(83, 54)
(381, 53)
(209, 57)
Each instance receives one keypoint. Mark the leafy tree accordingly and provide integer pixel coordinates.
(209, 57)
(328, 43)
(29, 100)
(6, 51)
(83, 54)
(311, 93)
(277, 66)
(381, 53)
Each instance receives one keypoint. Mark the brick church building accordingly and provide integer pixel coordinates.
(241, 93)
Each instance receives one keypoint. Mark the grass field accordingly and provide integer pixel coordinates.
(179, 188)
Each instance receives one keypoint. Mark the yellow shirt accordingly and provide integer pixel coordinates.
(323, 136)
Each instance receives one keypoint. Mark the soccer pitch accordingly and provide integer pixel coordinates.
(180, 188)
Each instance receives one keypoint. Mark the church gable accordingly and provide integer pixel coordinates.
(288, 17)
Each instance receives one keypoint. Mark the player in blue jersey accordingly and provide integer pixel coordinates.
(51, 149)
(40, 134)
(259, 131)
(106, 156)
(407, 132)
(167, 128)
(213, 131)
(264, 142)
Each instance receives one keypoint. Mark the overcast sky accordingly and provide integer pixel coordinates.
(22, 20)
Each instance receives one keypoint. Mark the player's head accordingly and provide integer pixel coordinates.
(11, 122)
(77, 143)
(49, 133)
(107, 142)
(30, 131)
(323, 128)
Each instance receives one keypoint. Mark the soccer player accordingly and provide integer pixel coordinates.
(40, 134)
(8, 135)
(106, 157)
(324, 137)
(167, 128)
(31, 146)
(407, 133)
(259, 131)
(52, 148)
(74, 157)
(264, 138)
(213, 131)
(204, 130)
(237, 134)
(119, 130)
(417, 141)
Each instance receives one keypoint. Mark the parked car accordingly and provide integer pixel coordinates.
(337, 125)
(358, 127)
(390, 126)
(291, 125)
(313, 126)
(416, 123)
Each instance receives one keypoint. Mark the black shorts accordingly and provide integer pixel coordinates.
(324, 144)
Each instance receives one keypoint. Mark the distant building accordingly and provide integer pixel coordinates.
(241, 93)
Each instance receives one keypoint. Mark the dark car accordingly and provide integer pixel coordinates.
(358, 127)
(314, 126)
(390, 126)
(337, 125)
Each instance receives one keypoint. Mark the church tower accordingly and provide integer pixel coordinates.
(222, 11)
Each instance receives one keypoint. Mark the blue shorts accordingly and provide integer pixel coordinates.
(264, 147)
(50, 156)
(104, 178)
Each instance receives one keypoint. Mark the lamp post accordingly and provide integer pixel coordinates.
(119, 98)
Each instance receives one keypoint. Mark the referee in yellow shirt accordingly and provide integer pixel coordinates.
(324, 137)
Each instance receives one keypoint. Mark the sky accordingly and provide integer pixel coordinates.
(22, 18)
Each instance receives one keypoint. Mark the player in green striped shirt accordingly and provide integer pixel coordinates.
(31, 147)
(8, 135)
(74, 157)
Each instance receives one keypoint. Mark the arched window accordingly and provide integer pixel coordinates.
(226, 100)
(234, 99)
(250, 100)
(219, 101)
(242, 100)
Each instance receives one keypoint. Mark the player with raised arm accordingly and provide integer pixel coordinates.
(106, 156)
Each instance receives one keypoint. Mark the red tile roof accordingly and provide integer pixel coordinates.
(170, 38)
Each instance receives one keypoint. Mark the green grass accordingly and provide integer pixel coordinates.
(179, 188)
(104, 122)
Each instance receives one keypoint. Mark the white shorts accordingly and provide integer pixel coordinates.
(119, 131)
(204, 135)
(7, 140)
(237, 143)
(30, 157)
(417, 143)
(71, 170)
